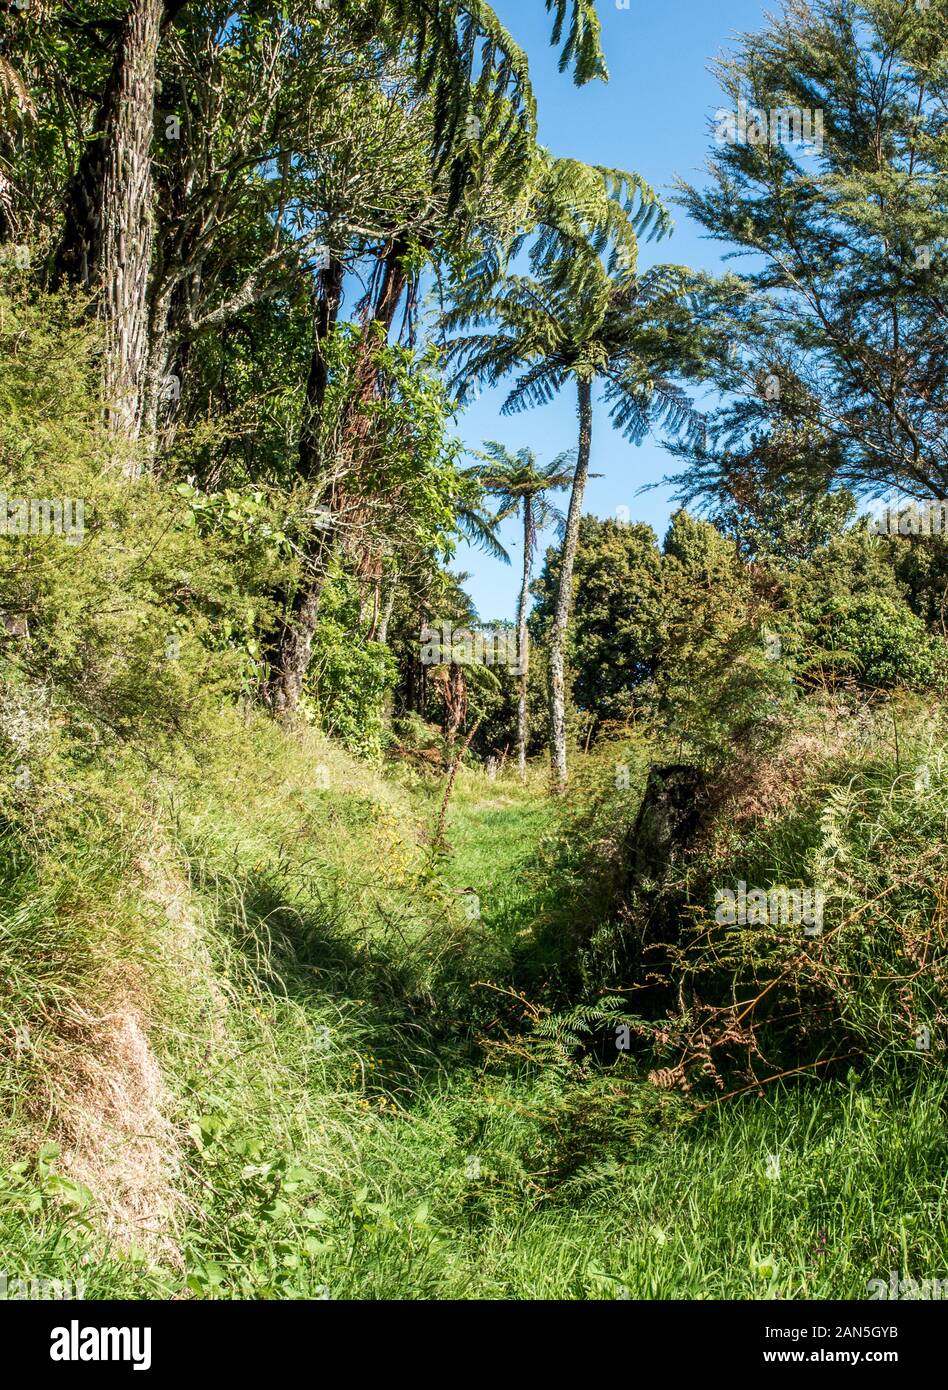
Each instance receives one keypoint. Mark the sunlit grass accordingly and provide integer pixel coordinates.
(317, 1001)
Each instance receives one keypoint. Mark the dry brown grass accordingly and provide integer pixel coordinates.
(764, 787)
(103, 1097)
(111, 1122)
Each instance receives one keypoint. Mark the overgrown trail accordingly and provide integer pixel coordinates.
(494, 833)
(358, 1097)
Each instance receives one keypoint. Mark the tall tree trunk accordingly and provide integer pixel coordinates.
(289, 659)
(564, 597)
(128, 221)
(327, 313)
(523, 636)
(108, 242)
(390, 282)
(296, 643)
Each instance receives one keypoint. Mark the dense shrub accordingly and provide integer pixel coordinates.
(350, 679)
(132, 607)
(865, 827)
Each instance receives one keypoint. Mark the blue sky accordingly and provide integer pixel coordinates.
(653, 117)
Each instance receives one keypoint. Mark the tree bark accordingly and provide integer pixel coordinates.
(296, 643)
(128, 221)
(523, 636)
(388, 609)
(327, 313)
(293, 647)
(564, 597)
(109, 238)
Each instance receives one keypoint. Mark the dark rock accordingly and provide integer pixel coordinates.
(15, 624)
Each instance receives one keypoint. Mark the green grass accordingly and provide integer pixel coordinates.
(693, 1214)
(317, 998)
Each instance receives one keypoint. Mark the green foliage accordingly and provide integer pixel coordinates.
(337, 1142)
(514, 481)
(577, 19)
(137, 621)
(410, 472)
(922, 566)
(780, 522)
(851, 619)
(859, 819)
(717, 684)
(618, 607)
(672, 637)
(885, 646)
(576, 322)
(841, 306)
(260, 1038)
(350, 679)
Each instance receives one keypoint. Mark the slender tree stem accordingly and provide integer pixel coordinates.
(449, 788)
(523, 636)
(564, 597)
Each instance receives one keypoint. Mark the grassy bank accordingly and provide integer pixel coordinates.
(261, 1042)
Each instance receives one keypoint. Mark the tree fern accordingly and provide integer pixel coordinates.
(577, 26)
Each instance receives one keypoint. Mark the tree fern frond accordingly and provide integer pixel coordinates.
(538, 386)
(480, 531)
(582, 46)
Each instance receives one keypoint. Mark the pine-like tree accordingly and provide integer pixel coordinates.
(833, 359)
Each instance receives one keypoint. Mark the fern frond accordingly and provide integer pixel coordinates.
(582, 45)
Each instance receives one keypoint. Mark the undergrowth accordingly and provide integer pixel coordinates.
(366, 1088)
